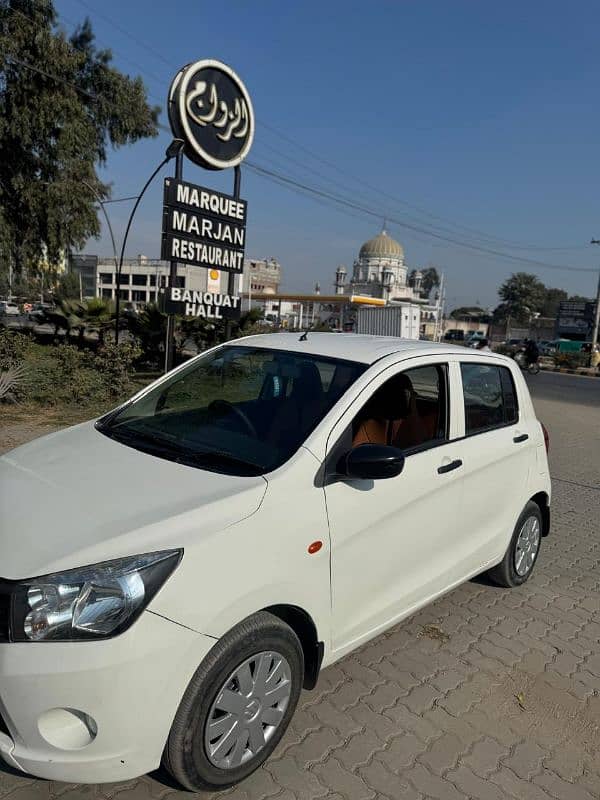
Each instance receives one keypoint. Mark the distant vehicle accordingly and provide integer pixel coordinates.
(9, 308)
(454, 335)
(474, 337)
(562, 346)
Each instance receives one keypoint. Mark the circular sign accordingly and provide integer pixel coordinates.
(210, 109)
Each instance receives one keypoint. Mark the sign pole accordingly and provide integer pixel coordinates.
(170, 341)
(237, 181)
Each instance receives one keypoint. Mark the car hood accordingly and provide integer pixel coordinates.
(77, 497)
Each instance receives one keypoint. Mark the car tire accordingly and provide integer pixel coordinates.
(523, 550)
(228, 702)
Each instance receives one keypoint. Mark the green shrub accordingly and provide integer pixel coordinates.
(571, 360)
(14, 348)
(114, 365)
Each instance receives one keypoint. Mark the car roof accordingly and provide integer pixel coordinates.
(349, 346)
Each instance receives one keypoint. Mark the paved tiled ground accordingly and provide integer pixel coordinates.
(488, 694)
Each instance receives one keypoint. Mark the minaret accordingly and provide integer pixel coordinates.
(340, 279)
(417, 281)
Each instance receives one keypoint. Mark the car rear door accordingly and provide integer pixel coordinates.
(498, 451)
(393, 541)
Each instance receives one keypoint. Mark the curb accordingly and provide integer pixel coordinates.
(586, 371)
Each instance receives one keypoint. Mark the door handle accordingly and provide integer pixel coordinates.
(522, 438)
(449, 467)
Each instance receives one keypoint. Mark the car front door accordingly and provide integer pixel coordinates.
(393, 540)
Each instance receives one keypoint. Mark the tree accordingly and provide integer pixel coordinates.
(523, 295)
(430, 279)
(68, 287)
(62, 105)
(471, 313)
(552, 300)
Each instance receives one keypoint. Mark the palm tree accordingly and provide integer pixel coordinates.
(149, 327)
(98, 315)
(67, 315)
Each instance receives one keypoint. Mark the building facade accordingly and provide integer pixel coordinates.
(143, 277)
(263, 276)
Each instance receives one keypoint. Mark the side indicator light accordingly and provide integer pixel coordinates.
(314, 547)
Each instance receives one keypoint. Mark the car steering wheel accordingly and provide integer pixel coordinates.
(224, 406)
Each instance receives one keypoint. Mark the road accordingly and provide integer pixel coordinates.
(487, 694)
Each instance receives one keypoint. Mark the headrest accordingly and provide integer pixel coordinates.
(308, 383)
(392, 400)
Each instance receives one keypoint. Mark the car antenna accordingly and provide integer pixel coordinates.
(304, 337)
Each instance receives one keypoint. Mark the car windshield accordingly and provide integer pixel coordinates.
(238, 410)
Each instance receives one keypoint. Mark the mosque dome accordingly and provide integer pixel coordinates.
(382, 246)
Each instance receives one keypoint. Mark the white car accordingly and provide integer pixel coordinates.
(9, 308)
(176, 572)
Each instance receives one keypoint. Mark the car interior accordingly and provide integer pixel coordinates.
(398, 415)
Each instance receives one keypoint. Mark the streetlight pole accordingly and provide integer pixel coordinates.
(171, 152)
(597, 314)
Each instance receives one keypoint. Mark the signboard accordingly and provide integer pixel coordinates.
(202, 227)
(207, 305)
(575, 318)
(210, 109)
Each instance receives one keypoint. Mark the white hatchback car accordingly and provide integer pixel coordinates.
(176, 572)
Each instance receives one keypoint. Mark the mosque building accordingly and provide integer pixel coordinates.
(381, 271)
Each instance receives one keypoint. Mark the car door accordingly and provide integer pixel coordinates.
(392, 540)
(498, 450)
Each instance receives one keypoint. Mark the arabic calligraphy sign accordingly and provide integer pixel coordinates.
(210, 109)
(203, 227)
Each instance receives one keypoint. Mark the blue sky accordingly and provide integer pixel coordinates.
(483, 116)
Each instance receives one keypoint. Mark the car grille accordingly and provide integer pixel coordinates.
(4, 610)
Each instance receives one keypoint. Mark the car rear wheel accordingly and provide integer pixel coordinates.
(237, 706)
(523, 550)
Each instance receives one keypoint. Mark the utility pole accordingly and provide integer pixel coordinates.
(597, 314)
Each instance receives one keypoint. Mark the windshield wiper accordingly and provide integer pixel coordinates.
(174, 451)
(216, 458)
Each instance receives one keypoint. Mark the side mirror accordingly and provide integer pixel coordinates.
(372, 462)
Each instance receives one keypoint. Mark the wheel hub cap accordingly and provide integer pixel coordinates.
(528, 545)
(247, 710)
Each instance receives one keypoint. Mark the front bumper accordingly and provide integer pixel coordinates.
(129, 688)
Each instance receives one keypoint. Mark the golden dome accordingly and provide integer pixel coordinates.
(382, 246)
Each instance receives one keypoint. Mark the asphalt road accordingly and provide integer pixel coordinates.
(558, 386)
(487, 694)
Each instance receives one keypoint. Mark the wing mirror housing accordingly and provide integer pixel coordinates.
(372, 462)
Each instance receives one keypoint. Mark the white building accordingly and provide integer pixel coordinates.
(142, 278)
(380, 271)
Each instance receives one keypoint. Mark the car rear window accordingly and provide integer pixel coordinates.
(489, 396)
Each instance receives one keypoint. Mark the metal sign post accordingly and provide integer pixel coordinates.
(170, 340)
(237, 181)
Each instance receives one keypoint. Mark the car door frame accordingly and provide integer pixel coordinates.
(503, 436)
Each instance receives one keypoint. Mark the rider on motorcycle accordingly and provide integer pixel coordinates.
(532, 352)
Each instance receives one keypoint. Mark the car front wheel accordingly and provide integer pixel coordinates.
(523, 550)
(237, 706)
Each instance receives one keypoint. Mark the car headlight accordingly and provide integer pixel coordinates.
(95, 602)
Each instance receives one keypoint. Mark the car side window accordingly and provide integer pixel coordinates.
(409, 411)
(489, 397)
